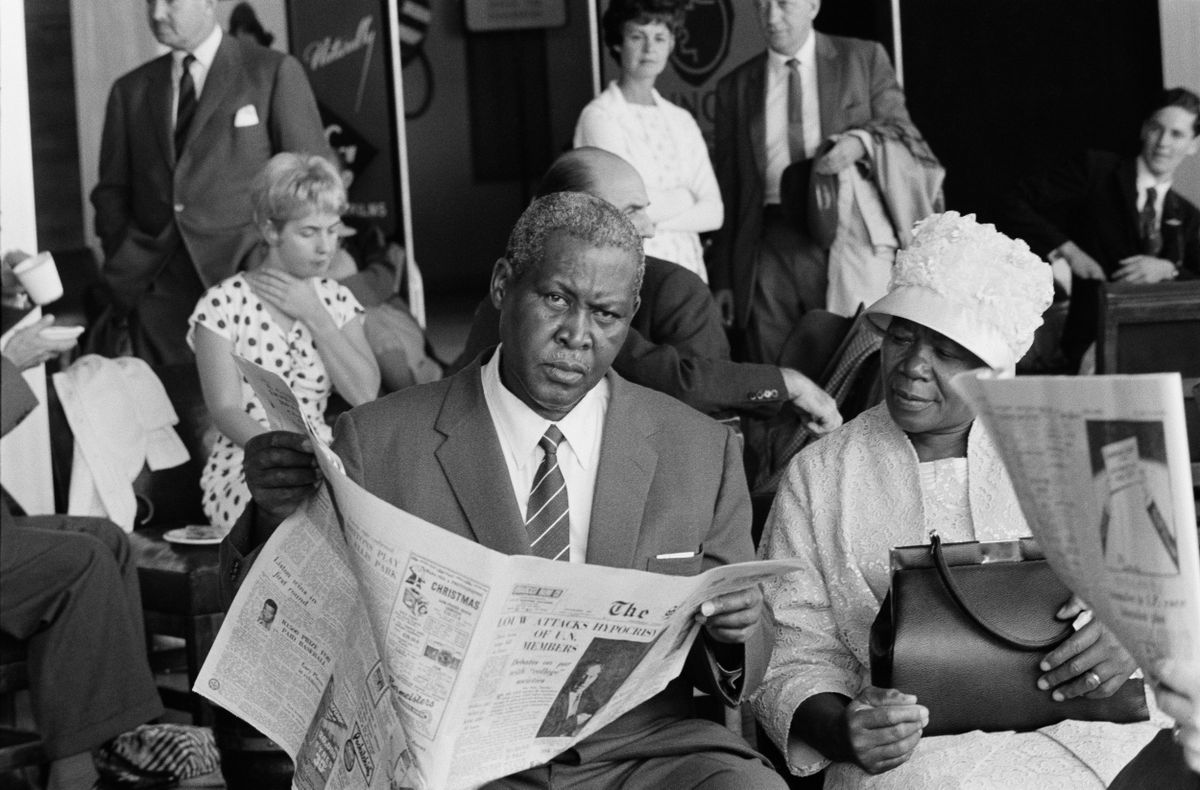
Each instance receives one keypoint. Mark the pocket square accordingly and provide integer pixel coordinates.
(246, 116)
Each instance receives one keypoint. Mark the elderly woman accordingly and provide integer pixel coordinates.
(661, 140)
(962, 296)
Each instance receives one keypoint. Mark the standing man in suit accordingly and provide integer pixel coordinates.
(539, 448)
(796, 102)
(676, 343)
(1115, 218)
(183, 136)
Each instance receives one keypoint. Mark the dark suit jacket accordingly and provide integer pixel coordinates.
(856, 86)
(557, 723)
(668, 481)
(148, 204)
(676, 345)
(1092, 201)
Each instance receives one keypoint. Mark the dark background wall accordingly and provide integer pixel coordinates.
(1009, 86)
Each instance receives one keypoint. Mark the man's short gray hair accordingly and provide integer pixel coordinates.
(580, 216)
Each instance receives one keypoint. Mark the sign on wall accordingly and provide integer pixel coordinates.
(343, 46)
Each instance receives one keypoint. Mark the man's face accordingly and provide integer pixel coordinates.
(619, 184)
(586, 678)
(563, 323)
(181, 24)
(786, 23)
(1168, 137)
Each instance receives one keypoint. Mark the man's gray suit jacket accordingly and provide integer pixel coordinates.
(256, 103)
(669, 481)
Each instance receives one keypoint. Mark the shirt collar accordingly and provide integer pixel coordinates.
(1146, 179)
(522, 427)
(205, 51)
(805, 54)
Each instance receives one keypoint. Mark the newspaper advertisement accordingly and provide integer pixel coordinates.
(1102, 471)
(417, 658)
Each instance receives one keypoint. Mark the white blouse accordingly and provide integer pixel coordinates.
(665, 146)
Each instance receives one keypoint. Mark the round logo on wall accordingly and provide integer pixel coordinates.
(703, 43)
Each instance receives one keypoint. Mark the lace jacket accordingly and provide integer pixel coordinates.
(844, 503)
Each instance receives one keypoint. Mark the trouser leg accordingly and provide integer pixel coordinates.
(63, 594)
(790, 279)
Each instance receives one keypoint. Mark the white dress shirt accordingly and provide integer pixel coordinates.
(519, 428)
(204, 55)
(778, 156)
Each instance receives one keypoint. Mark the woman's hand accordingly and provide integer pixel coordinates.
(295, 297)
(1090, 663)
(883, 727)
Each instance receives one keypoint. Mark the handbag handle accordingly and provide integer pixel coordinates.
(935, 547)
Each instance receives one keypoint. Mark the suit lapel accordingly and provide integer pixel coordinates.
(756, 111)
(474, 466)
(160, 96)
(627, 464)
(220, 82)
(829, 85)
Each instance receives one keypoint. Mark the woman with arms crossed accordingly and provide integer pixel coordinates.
(662, 141)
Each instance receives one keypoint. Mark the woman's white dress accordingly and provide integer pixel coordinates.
(844, 503)
(665, 146)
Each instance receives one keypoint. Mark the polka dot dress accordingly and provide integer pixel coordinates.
(232, 310)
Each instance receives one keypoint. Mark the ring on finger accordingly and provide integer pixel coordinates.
(1093, 679)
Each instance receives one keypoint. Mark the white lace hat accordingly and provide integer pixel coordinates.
(976, 286)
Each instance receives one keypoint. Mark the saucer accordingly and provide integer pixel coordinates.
(194, 535)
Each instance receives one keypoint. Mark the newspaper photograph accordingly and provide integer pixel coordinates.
(422, 659)
(1101, 467)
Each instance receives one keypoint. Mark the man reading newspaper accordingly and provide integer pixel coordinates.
(539, 448)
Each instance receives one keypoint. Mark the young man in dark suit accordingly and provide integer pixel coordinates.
(640, 481)
(1113, 218)
(183, 137)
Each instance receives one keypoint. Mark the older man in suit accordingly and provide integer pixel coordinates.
(183, 136)
(803, 96)
(1115, 218)
(539, 448)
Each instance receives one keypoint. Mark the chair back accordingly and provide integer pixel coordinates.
(1154, 329)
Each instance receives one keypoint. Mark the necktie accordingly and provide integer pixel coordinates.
(187, 104)
(795, 112)
(1148, 219)
(546, 515)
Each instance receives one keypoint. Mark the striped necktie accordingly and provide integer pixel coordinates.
(547, 517)
(187, 103)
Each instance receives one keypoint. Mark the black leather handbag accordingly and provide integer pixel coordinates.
(964, 628)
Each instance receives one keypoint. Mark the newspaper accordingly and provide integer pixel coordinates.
(1101, 468)
(380, 651)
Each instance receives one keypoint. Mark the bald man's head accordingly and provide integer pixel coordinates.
(605, 175)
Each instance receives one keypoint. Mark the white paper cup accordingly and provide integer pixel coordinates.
(39, 277)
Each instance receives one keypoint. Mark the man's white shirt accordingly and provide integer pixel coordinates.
(519, 428)
(778, 156)
(204, 55)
